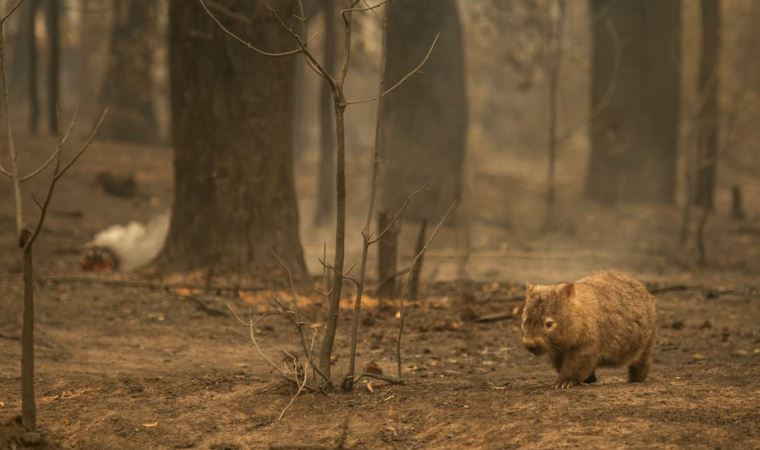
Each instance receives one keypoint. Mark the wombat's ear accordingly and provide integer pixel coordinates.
(568, 290)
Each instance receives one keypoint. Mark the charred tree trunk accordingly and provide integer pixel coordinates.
(414, 282)
(52, 15)
(634, 138)
(326, 181)
(232, 133)
(425, 119)
(127, 90)
(709, 113)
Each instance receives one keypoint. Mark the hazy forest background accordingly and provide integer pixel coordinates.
(526, 140)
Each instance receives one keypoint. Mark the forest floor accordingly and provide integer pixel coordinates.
(122, 366)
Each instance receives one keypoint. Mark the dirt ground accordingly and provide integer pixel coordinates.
(132, 367)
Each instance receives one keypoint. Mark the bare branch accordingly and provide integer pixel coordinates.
(58, 172)
(310, 59)
(242, 18)
(305, 377)
(344, 276)
(37, 202)
(296, 315)
(10, 12)
(398, 215)
(367, 8)
(611, 87)
(57, 151)
(404, 78)
(85, 145)
(13, 173)
(402, 308)
(250, 324)
(243, 41)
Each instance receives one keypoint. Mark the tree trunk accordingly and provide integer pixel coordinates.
(326, 181)
(553, 65)
(425, 119)
(634, 138)
(18, 76)
(127, 90)
(414, 281)
(300, 118)
(28, 400)
(232, 133)
(52, 14)
(34, 100)
(709, 113)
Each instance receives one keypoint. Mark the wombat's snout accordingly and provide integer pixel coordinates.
(532, 346)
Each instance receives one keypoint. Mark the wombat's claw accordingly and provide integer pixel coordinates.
(564, 384)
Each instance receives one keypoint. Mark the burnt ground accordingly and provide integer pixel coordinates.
(132, 367)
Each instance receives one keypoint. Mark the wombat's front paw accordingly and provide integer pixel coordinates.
(564, 384)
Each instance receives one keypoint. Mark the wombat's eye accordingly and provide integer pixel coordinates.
(548, 323)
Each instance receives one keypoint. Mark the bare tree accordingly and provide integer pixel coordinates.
(30, 17)
(53, 19)
(708, 119)
(634, 138)
(709, 112)
(553, 64)
(423, 142)
(232, 129)
(27, 236)
(128, 80)
(326, 173)
(340, 103)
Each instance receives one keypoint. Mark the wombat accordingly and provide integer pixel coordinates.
(604, 320)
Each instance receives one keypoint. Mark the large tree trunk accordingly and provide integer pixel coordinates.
(425, 119)
(634, 138)
(326, 181)
(127, 90)
(709, 113)
(232, 133)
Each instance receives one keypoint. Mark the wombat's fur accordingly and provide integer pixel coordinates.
(604, 320)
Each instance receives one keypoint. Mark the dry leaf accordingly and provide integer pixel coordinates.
(150, 424)
(369, 387)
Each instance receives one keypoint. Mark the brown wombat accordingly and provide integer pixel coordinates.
(604, 320)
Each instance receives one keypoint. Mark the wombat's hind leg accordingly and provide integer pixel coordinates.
(638, 371)
(591, 378)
